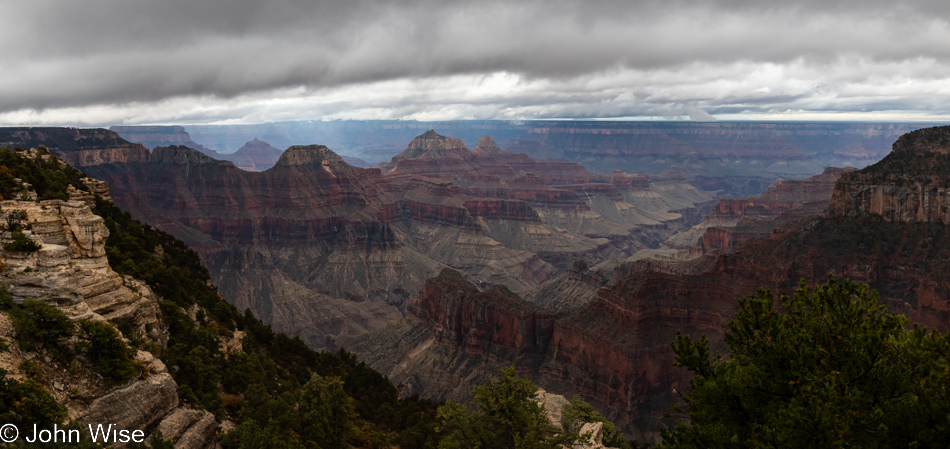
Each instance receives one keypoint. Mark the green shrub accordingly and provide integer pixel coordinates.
(324, 412)
(27, 403)
(18, 240)
(579, 412)
(48, 177)
(38, 323)
(6, 298)
(31, 369)
(110, 356)
(506, 416)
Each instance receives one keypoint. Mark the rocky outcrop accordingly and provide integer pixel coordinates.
(77, 147)
(572, 290)
(72, 272)
(255, 155)
(554, 408)
(495, 320)
(138, 406)
(71, 269)
(435, 156)
(189, 428)
(486, 147)
(910, 185)
(733, 221)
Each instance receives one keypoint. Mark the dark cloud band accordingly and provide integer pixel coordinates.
(642, 58)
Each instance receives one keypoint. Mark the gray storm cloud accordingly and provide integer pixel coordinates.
(148, 61)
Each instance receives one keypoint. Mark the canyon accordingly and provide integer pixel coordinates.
(329, 252)
(606, 334)
(492, 255)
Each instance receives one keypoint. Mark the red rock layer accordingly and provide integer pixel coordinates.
(494, 322)
(910, 185)
(84, 146)
(785, 201)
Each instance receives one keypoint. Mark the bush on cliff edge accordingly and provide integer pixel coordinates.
(831, 368)
(506, 416)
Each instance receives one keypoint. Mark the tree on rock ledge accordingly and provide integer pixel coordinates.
(506, 417)
(833, 368)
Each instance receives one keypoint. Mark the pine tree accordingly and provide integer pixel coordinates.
(830, 368)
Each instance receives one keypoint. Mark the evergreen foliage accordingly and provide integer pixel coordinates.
(38, 323)
(46, 175)
(26, 403)
(6, 298)
(109, 355)
(18, 240)
(506, 416)
(831, 367)
(324, 412)
(579, 412)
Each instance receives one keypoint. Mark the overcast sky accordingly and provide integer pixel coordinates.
(101, 62)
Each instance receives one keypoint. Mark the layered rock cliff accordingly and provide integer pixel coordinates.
(910, 185)
(435, 156)
(255, 155)
(71, 271)
(160, 351)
